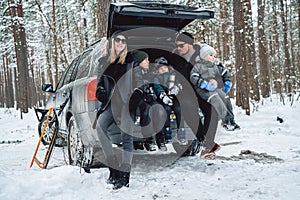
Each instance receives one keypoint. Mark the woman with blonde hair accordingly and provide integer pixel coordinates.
(118, 50)
(113, 88)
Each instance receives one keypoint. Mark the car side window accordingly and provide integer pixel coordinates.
(66, 77)
(69, 73)
(83, 66)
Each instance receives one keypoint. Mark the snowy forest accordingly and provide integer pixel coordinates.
(257, 40)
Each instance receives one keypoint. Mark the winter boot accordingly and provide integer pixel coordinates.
(228, 127)
(236, 126)
(138, 145)
(113, 164)
(113, 176)
(149, 144)
(123, 181)
(160, 141)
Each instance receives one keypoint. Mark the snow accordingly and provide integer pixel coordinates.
(276, 177)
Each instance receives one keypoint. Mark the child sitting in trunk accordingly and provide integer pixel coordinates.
(143, 99)
(166, 87)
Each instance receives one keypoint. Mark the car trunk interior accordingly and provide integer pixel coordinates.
(155, 53)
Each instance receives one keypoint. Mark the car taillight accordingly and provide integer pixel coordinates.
(91, 90)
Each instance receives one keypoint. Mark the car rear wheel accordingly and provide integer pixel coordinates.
(47, 133)
(75, 147)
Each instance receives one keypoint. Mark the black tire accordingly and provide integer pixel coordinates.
(48, 131)
(191, 149)
(75, 147)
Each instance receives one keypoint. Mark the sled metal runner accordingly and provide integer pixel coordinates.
(51, 122)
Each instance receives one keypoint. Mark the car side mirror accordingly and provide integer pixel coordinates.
(47, 88)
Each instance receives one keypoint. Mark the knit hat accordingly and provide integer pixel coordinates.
(116, 33)
(158, 62)
(185, 37)
(139, 56)
(206, 50)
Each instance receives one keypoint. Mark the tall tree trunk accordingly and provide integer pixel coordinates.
(251, 69)
(263, 51)
(291, 27)
(33, 91)
(102, 16)
(21, 52)
(227, 47)
(85, 29)
(242, 88)
(55, 54)
(289, 80)
(1, 90)
(8, 88)
(16, 83)
(277, 69)
(224, 17)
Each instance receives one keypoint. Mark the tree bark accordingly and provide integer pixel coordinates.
(251, 68)
(55, 54)
(21, 52)
(263, 51)
(242, 84)
(289, 80)
(102, 16)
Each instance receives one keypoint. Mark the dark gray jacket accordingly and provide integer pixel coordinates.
(204, 71)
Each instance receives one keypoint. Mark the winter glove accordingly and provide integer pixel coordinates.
(209, 86)
(149, 95)
(227, 86)
(165, 99)
(175, 89)
(102, 95)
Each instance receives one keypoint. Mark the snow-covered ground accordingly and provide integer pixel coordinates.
(272, 173)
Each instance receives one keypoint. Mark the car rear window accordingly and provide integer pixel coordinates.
(83, 65)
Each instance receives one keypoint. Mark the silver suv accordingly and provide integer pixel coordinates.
(150, 26)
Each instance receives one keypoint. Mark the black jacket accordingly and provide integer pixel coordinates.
(143, 83)
(110, 82)
(182, 66)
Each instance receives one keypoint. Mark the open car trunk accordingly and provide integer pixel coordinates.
(132, 15)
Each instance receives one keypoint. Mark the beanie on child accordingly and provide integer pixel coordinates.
(206, 50)
(158, 62)
(139, 55)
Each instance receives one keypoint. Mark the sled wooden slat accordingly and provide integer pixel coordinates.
(44, 164)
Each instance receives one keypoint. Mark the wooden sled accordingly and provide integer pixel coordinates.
(51, 122)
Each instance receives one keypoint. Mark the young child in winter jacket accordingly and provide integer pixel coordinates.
(208, 83)
(143, 98)
(166, 87)
(206, 79)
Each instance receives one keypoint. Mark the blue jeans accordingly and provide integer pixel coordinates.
(105, 120)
